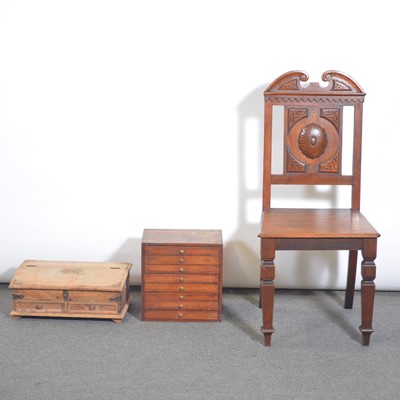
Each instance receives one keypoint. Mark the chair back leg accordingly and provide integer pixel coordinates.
(351, 279)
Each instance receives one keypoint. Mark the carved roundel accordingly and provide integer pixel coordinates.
(313, 140)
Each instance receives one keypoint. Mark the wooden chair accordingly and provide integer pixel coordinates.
(313, 127)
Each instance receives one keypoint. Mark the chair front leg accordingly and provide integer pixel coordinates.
(267, 288)
(368, 273)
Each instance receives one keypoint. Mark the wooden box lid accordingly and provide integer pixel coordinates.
(71, 275)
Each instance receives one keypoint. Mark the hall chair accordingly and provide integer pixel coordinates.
(312, 147)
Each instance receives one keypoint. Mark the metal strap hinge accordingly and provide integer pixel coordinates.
(118, 298)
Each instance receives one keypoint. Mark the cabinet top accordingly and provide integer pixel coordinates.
(182, 236)
(71, 275)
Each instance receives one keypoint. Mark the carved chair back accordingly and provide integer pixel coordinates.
(313, 132)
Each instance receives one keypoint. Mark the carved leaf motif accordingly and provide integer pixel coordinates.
(313, 141)
(292, 85)
(294, 165)
(332, 115)
(339, 85)
(331, 166)
(296, 114)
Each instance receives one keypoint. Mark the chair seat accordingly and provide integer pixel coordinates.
(295, 223)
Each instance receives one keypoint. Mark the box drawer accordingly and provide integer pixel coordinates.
(182, 260)
(182, 250)
(42, 307)
(179, 278)
(79, 296)
(181, 288)
(37, 295)
(92, 308)
(183, 269)
(161, 315)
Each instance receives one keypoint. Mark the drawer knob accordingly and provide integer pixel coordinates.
(180, 315)
(180, 297)
(181, 288)
(181, 260)
(181, 269)
(39, 306)
(181, 251)
(91, 307)
(180, 306)
(180, 279)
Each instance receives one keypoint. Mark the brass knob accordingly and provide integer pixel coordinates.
(182, 251)
(180, 297)
(180, 306)
(181, 288)
(180, 315)
(180, 279)
(180, 269)
(181, 260)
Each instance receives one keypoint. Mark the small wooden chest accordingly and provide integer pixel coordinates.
(181, 275)
(71, 289)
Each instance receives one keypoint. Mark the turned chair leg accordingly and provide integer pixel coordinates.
(351, 279)
(368, 273)
(267, 293)
(267, 289)
(267, 304)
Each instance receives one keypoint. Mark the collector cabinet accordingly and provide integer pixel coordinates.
(181, 275)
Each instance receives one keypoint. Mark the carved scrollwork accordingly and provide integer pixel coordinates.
(341, 81)
(342, 89)
(287, 82)
(313, 141)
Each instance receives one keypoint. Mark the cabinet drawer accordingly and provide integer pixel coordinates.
(181, 260)
(162, 315)
(38, 295)
(182, 250)
(181, 288)
(179, 278)
(92, 308)
(181, 305)
(183, 269)
(38, 307)
(176, 297)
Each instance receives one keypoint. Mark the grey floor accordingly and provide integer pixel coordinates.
(316, 353)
